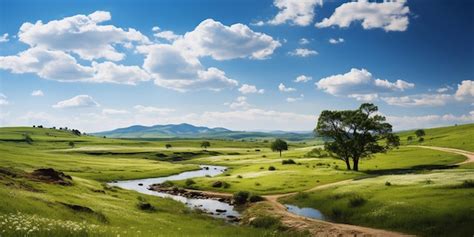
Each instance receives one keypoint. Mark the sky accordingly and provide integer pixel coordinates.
(239, 64)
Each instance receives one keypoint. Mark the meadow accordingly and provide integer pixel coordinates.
(390, 187)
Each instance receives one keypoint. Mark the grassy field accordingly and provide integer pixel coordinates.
(107, 211)
(460, 137)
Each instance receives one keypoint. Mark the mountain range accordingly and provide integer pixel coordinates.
(185, 130)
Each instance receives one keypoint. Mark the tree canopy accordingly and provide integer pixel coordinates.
(205, 144)
(356, 134)
(279, 145)
(420, 132)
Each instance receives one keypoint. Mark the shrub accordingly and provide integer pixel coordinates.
(357, 201)
(262, 167)
(466, 184)
(145, 206)
(28, 139)
(265, 222)
(167, 184)
(189, 182)
(421, 139)
(241, 197)
(257, 184)
(388, 184)
(255, 198)
(301, 196)
(225, 185)
(71, 144)
(336, 213)
(257, 150)
(288, 162)
(239, 176)
(217, 184)
(271, 168)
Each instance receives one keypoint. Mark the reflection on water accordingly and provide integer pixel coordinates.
(305, 211)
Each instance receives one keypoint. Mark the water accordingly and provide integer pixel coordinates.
(305, 211)
(207, 205)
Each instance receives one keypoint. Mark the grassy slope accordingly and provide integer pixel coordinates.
(50, 149)
(460, 137)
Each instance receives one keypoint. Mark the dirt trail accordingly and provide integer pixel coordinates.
(321, 228)
(468, 154)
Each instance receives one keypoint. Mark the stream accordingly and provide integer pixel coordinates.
(207, 205)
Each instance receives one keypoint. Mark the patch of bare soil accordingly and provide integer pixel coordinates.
(50, 175)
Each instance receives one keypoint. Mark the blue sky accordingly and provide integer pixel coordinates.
(98, 65)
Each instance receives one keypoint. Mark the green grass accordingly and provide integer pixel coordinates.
(428, 204)
(460, 137)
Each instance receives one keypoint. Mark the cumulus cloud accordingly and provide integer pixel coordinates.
(4, 38)
(296, 12)
(428, 121)
(419, 100)
(336, 41)
(37, 93)
(239, 103)
(444, 89)
(250, 89)
(121, 74)
(80, 101)
(167, 34)
(152, 110)
(283, 88)
(360, 84)
(303, 41)
(3, 100)
(294, 99)
(221, 42)
(82, 35)
(301, 52)
(388, 15)
(303, 78)
(465, 90)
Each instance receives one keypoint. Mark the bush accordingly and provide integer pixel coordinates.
(241, 197)
(257, 184)
(466, 184)
(388, 184)
(255, 198)
(421, 139)
(357, 201)
(271, 168)
(28, 139)
(189, 182)
(288, 162)
(145, 206)
(217, 184)
(167, 184)
(225, 185)
(239, 176)
(265, 222)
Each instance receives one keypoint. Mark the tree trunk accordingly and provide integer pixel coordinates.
(348, 163)
(356, 164)
(280, 153)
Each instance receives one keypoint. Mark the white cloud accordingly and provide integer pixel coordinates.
(364, 97)
(37, 93)
(296, 12)
(303, 78)
(167, 34)
(419, 100)
(80, 101)
(389, 15)
(303, 41)
(3, 100)
(239, 103)
(465, 90)
(360, 84)
(121, 74)
(301, 52)
(294, 99)
(428, 121)
(152, 110)
(444, 89)
(221, 42)
(283, 88)
(250, 89)
(81, 35)
(336, 41)
(4, 38)
(114, 111)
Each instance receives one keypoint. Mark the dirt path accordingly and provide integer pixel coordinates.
(468, 154)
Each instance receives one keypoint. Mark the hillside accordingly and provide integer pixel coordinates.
(458, 136)
(185, 130)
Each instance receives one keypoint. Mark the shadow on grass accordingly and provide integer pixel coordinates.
(413, 169)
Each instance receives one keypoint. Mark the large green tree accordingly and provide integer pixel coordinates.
(279, 145)
(355, 134)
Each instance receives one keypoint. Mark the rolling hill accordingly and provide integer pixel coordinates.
(185, 130)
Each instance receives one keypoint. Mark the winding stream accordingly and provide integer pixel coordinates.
(207, 205)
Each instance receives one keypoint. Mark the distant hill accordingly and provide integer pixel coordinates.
(185, 130)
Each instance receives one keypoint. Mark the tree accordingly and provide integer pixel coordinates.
(71, 144)
(205, 144)
(420, 132)
(76, 132)
(168, 146)
(409, 139)
(279, 145)
(356, 134)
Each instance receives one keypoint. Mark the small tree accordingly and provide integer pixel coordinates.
(420, 133)
(71, 144)
(279, 145)
(356, 134)
(205, 144)
(168, 146)
(409, 139)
